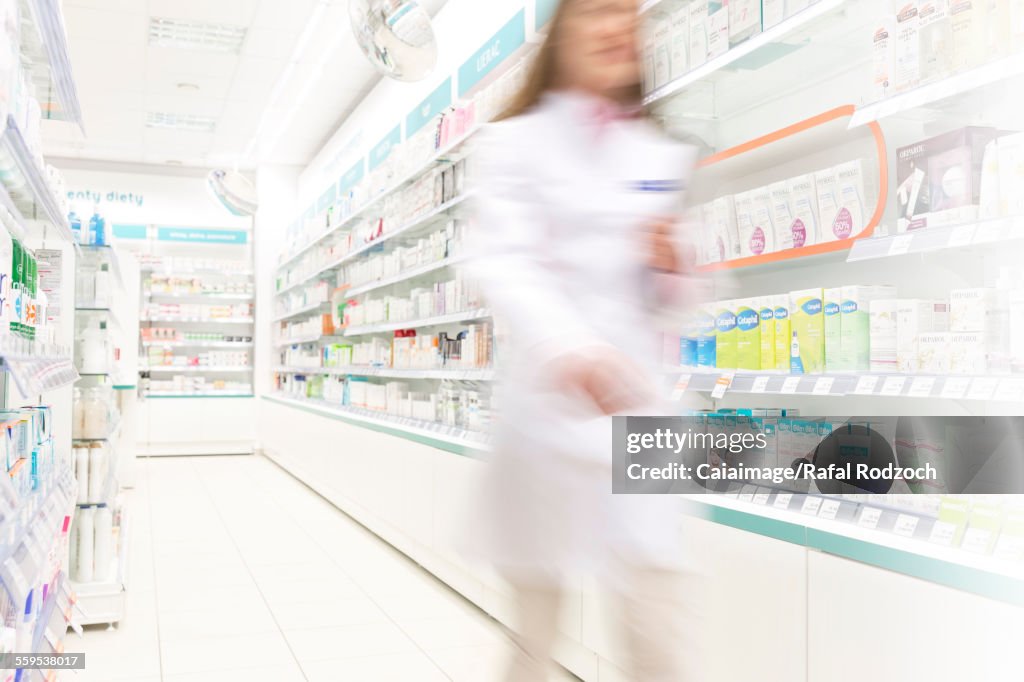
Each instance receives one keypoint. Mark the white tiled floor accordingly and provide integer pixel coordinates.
(239, 572)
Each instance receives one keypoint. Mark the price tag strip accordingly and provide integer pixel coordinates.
(722, 385)
(830, 509)
(921, 387)
(962, 235)
(901, 244)
(866, 385)
(761, 496)
(906, 525)
(893, 386)
(982, 389)
(760, 384)
(782, 500)
(955, 388)
(681, 385)
(811, 506)
(790, 385)
(823, 386)
(869, 517)
(942, 533)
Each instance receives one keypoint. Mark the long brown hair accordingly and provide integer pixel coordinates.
(543, 76)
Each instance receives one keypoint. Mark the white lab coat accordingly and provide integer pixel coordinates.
(560, 257)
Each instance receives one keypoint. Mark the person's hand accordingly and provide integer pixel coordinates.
(664, 253)
(603, 375)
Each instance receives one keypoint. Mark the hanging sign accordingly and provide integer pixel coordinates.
(193, 234)
(506, 41)
(382, 151)
(434, 104)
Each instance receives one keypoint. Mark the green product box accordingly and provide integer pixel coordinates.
(780, 309)
(833, 330)
(725, 335)
(855, 313)
(748, 335)
(766, 319)
(807, 352)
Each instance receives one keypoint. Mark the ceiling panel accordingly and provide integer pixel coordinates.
(286, 16)
(209, 86)
(269, 42)
(192, 103)
(177, 62)
(134, 6)
(235, 12)
(109, 26)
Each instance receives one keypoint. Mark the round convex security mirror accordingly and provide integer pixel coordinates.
(396, 35)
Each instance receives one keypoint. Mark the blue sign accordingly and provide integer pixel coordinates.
(193, 234)
(506, 41)
(327, 198)
(351, 178)
(310, 212)
(544, 10)
(382, 151)
(433, 105)
(130, 231)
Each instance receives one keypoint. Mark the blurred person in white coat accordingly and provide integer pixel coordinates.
(578, 252)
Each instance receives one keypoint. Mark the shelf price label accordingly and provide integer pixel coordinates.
(955, 388)
(782, 500)
(901, 245)
(943, 533)
(790, 385)
(906, 525)
(869, 518)
(760, 384)
(982, 389)
(747, 493)
(962, 235)
(893, 386)
(830, 509)
(1010, 391)
(811, 506)
(921, 387)
(866, 385)
(722, 385)
(681, 385)
(823, 386)
(761, 496)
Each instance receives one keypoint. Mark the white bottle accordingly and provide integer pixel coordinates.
(101, 287)
(82, 474)
(86, 544)
(104, 529)
(97, 474)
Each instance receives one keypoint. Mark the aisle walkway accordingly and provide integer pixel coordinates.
(238, 572)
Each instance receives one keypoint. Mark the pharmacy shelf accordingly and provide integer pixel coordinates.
(110, 436)
(957, 85)
(164, 270)
(774, 35)
(198, 295)
(208, 320)
(51, 58)
(195, 394)
(212, 369)
(196, 344)
(38, 201)
(104, 601)
(988, 233)
(361, 330)
(430, 433)
(36, 367)
(306, 338)
(115, 263)
(95, 308)
(405, 275)
(443, 155)
(408, 228)
(312, 309)
(46, 614)
(946, 387)
(391, 373)
(19, 228)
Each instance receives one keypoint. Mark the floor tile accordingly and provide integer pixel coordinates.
(330, 613)
(374, 639)
(407, 667)
(224, 653)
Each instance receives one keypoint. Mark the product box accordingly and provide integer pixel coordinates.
(970, 308)
(1016, 301)
(969, 30)
(744, 20)
(662, 52)
(680, 37)
(807, 351)
(783, 328)
(718, 28)
(748, 335)
(1009, 168)
(855, 310)
(934, 352)
(833, 329)
(725, 335)
(850, 190)
(782, 215)
(828, 206)
(967, 353)
(698, 53)
(712, 248)
(744, 221)
(649, 46)
(938, 180)
(883, 57)
(883, 335)
(726, 230)
(688, 342)
(803, 201)
(915, 317)
(907, 72)
(935, 38)
(706, 337)
(763, 236)
(772, 13)
(766, 318)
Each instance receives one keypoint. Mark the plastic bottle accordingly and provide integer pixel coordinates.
(97, 473)
(104, 530)
(82, 474)
(86, 544)
(796, 365)
(97, 229)
(76, 226)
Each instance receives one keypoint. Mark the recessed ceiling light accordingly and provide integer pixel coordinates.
(189, 122)
(188, 86)
(194, 35)
(173, 162)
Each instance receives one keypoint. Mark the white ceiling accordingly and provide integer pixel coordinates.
(120, 77)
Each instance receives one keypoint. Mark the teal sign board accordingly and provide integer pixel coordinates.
(433, 105)
(351, 177)
(192, 234)
(543, 11)
(496, 50)
(382, 151)
(327, 198)
(129, 231)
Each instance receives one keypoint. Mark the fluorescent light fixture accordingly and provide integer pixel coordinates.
(194, 35)
(189, 122)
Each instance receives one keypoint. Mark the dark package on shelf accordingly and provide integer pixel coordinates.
(938, 180)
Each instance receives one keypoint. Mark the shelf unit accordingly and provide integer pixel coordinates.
(36, 200)
(393, 373)
(51, 58)
(436, 321)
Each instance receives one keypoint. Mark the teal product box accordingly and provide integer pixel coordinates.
(707, 338)
(688, 345)
(725, 335)
(855, 311)
(748, 335)
(833, 330)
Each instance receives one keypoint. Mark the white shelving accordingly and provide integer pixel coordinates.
(405, 276)
(311, 309)
(171, 369)
(437, 321)
(199, 296)
(197, 394)
(409, 227)
(414, 427)
(990, 233)
(442, 155)
(36, 367)
(306, 338)
(952, 86)
(392, 373)
(1008, 388)
(50, 56)
(773, 35)
(208, 320)
(196, 344)
(37, 200)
